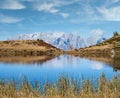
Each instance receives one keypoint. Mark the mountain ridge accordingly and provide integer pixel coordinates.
(109, 48)
(62, 40)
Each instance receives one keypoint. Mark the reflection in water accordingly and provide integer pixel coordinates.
(64, 60)
(113, 62)
(116, 64)
(27, 59)
(97, 66)
(50, 68)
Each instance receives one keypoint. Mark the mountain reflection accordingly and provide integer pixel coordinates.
(113, 62)
(64, 61)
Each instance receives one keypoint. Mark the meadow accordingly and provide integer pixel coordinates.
(64, 87)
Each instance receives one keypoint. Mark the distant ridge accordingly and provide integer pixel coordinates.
(63, 40)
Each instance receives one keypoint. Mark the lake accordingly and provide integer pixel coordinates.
(50, 69)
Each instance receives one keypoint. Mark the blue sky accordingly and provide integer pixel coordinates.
(85, 17)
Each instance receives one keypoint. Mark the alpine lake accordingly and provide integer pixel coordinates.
(44, 69)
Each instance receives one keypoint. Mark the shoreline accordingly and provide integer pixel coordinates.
(64, 87)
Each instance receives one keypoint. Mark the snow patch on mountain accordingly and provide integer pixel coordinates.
(62, 40)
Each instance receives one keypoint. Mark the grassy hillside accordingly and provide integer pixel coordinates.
(27, 47)
(110, 43)
(108, 48)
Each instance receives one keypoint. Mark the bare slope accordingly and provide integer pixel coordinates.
(108, 48)
(27, 47)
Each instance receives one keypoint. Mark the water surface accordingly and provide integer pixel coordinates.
(50, 69)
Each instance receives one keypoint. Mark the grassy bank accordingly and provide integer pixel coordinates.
(64, 87)
(27, 48)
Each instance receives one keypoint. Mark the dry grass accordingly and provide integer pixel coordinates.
(103, 49)
(25, 44)
(27, 47)
(63, 88)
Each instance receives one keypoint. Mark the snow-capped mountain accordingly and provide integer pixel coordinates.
(93, 40)
(62, 40)
(101, 40)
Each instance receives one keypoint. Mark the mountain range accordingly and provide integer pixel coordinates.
(63, 41)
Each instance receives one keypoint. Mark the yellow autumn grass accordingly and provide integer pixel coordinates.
(64, 87)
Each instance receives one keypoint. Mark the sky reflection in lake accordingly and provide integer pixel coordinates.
(51, 69)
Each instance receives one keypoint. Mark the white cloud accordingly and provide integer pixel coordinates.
(52, 6)
(7, 19)
(86, 11)
(28, 0)
(110, 2)
(109, 11)
(97, 66)
(64, 15)
(110, 14)
(97, 32)
(46, 7)
(11, 5)
(115, 1)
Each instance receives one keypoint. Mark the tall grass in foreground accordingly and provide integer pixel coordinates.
(63, 88)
